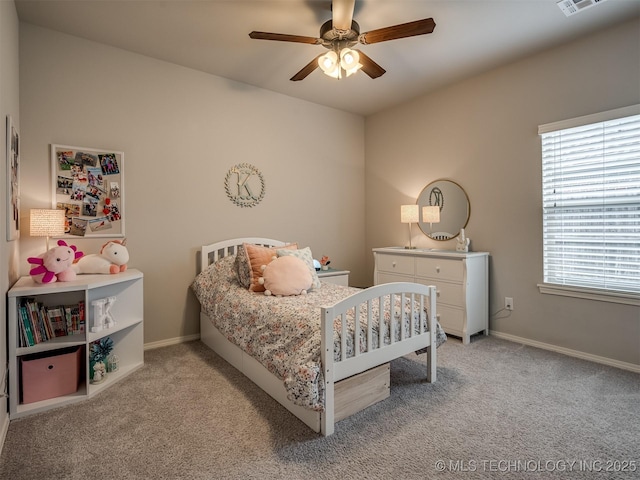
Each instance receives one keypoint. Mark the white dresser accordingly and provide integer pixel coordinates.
(461, 280)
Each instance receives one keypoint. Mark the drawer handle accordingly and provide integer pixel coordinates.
(437, 293)
(438, 269)
(393, 264)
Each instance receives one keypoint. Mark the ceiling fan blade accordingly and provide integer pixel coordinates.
(370, 67)
(283, 37)
(411, 29)
(308, 68)
(342, 13)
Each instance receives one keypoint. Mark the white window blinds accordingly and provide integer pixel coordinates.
(591, 202)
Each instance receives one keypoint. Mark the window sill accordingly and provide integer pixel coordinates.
(590, 294)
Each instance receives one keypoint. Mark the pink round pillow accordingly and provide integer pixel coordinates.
(286, 276)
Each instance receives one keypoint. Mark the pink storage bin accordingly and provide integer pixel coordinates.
(50, 376)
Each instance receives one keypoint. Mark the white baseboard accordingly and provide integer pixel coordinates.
(567, 351)
(171, 341)
(4, 428)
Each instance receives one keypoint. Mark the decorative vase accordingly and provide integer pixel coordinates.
(112, 363)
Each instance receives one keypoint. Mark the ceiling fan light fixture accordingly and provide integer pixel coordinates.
(350, 61)
(342, 32)
(329, 64)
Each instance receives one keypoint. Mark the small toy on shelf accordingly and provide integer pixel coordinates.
(102, 314)
(98, 355)
(113, 258)
(99, 372)
(462, 244)
(56, 264)
(324, 261)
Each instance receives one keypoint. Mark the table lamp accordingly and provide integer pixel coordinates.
(431, 215)
(409, 214)
(46, 223)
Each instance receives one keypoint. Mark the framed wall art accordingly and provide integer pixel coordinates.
(244, 184)
(13, 181)
(88, 184)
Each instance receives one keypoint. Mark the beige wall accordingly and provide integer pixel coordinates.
(9, 105)
(482, 133)
(181, 131)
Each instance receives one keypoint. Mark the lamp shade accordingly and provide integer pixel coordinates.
(350, 60)
(46, 223)
(409, 213)
(431, 214)
(329, 64)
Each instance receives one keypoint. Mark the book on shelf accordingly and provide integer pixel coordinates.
(39, 323)
(25, 324)
(74, 315)
(32, 310)
(46, 323)
(57, 321)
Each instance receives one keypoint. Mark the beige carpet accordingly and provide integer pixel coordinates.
(498, 410)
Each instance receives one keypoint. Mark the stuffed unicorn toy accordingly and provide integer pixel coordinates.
(113, 258)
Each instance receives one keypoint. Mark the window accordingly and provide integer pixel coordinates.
(591, 204)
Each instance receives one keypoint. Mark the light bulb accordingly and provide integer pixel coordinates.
(328, 61)
(348, 58)
(350, 61)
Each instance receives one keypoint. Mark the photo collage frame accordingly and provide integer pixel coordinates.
(88, 184)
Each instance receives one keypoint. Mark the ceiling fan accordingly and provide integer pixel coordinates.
(339, 35)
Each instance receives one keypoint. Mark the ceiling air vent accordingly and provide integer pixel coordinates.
(571, 7)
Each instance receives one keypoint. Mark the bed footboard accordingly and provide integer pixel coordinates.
(417, 335)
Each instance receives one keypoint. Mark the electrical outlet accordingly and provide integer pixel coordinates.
(508, 303)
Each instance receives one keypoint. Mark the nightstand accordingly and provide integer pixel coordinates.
(339, 277)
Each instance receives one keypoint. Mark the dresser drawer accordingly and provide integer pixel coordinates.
(449, 293)
(440, 268)
(385, 277)
(396, 264)
(451, 319)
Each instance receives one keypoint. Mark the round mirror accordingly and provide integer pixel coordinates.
(452, 204)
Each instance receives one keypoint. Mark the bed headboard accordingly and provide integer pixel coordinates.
(215, 251)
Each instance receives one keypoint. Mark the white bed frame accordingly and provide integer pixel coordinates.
(334, 371)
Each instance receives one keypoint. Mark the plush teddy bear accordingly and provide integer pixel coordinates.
(99, 372)
(286, 276)
(113, 258)
(55, 264)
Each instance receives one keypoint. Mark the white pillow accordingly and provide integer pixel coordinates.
(305, 255)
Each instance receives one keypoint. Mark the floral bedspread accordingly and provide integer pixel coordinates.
(283, 333)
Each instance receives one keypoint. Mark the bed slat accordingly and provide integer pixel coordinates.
(356, 333)
(370, 325)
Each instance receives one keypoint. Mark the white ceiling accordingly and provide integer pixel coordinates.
(212, 36)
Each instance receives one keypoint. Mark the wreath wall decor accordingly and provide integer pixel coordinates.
(244, 185)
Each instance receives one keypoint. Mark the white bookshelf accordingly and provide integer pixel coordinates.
(126, 334)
